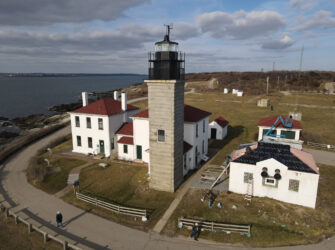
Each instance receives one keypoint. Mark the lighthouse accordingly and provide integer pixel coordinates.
(166, 114)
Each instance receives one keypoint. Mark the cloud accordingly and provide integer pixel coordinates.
(302, 4)
(320, 20)
(283, 43)
(46, 12)
(183, 31)
(241, 24)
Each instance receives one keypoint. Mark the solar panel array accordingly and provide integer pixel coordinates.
(276, 151)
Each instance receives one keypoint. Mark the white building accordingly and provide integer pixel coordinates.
(94, 125)
(107, 127)
(280, 133)
(276, 171)
(218, 128)
(133, 138)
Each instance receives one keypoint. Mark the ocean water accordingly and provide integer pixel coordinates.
(21, 96)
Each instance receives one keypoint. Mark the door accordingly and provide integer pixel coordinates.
(102, 146)
(213, 133)
(139, 152)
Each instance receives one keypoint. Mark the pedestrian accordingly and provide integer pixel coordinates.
(195, 231)
(59, 219)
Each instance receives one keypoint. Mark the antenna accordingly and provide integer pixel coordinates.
(274, 66)
(267, 85)
(301, 55)
(168, 28)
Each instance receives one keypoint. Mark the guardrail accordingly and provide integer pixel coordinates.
(112, 207)
(215, 226)
(319, 145)
(32, 228)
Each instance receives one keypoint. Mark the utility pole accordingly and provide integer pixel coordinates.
(267, 85)
(301, 55)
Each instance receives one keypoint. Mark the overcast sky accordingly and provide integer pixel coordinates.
(114, 36)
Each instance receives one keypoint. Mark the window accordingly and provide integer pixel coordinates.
(248, 177)
(100, 124)
(203, 146)
(203, 126)
(273, 132)
(89, 142)
(185, 158)
(112, 144)
(161, 135)
(77, 121)
(196, 130)
(270, 181)
(88, 122)
(125, 149)
(78, 141)
(293, 185)
(288, 134)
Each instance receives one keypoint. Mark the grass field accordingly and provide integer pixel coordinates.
(14, 236)
(273, 223)
(56, 181)
(123, 184)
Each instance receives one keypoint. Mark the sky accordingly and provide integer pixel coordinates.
(114, 36)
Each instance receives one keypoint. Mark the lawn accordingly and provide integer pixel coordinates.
(124, 184)
(273, 223)
(14, 236)
(56, 181)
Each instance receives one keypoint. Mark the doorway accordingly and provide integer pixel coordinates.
(102, 146)
(213, 133)
(139, 152)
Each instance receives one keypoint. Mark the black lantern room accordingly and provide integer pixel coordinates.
(166, 63)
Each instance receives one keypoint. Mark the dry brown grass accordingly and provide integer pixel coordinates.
(267, 216)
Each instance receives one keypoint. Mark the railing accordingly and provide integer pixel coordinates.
(319, 145)
(112, 207)
(32, 228)
(216, 227)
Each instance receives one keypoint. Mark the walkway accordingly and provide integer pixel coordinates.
(323, 157)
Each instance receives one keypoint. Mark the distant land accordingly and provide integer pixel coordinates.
(64, 74)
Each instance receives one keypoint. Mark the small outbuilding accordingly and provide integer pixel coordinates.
(218, 128)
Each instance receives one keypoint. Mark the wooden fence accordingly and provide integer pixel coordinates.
(32, 228)
(319, 145)
(216, 227)
(112, 207)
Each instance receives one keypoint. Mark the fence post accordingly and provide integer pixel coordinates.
(96, 201)
(16, 219)
(118, 209)
(212, 226)
(30, 228)
(45, 237)
(65, 245)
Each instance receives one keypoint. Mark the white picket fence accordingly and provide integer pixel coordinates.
(215, 226)
(112, 207)
(319, 145)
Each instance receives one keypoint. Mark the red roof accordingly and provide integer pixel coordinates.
(191, 114)
(187, 147)
(269, 121)
(126, 129)
(221, 121)
(126, 140)
(142, 114)
(105, 106)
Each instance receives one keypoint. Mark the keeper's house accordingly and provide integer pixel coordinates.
(276, 171)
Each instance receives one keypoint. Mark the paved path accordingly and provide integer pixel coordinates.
(323, 157)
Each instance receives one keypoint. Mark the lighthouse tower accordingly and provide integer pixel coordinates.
(166, 114)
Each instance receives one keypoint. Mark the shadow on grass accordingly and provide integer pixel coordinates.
(233, 132)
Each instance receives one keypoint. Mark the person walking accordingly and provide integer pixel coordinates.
(194, 231)
(59, 219)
